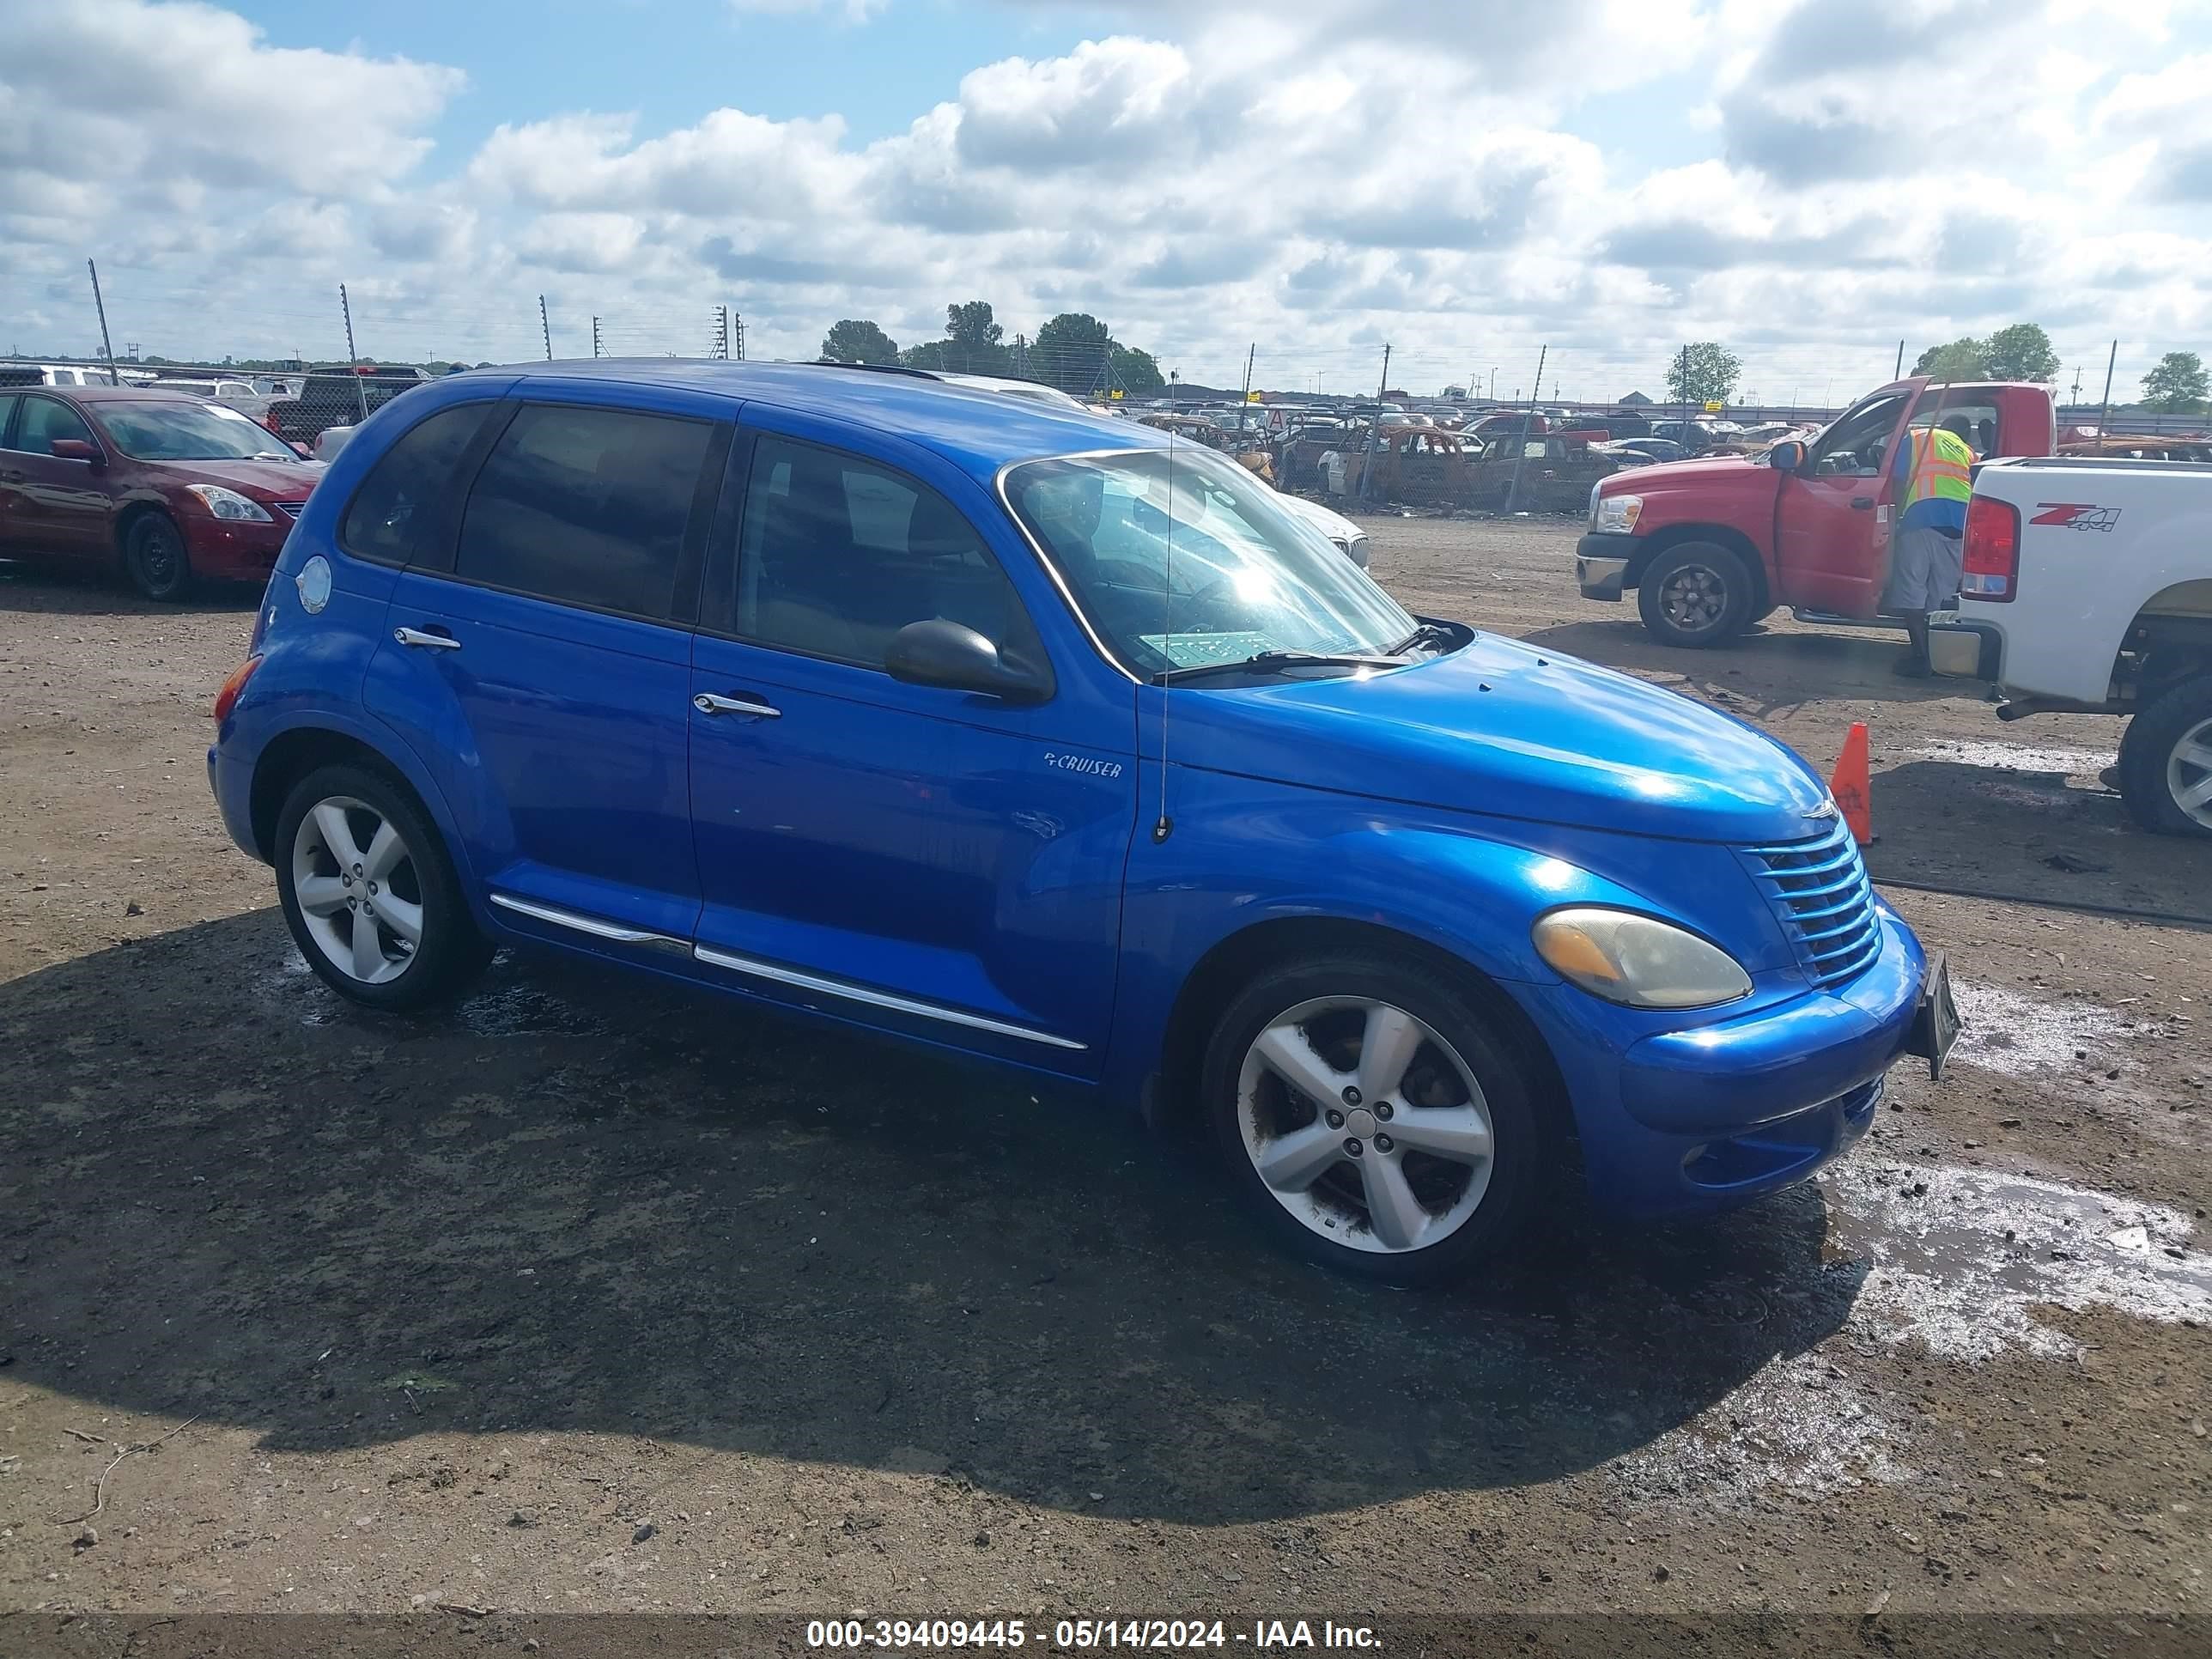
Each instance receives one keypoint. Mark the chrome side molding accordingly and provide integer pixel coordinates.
(874, 998)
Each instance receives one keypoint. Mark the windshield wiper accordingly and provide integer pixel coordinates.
(1264, 662)
(1426, 634)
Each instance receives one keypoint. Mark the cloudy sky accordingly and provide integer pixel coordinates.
(1807, 182)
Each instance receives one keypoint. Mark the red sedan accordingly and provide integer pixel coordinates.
(165, 488)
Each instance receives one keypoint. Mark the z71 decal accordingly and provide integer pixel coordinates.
(2075, 515)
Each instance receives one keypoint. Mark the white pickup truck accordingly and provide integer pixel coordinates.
(2088, 590)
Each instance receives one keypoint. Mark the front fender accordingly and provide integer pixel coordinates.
(1245, 852)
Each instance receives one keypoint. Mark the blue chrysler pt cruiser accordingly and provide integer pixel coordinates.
(1042, 737)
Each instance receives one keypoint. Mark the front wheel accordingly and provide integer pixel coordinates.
(155, 558)
(370, 893)
(1696, 594)
(2165, 761)
(1373, 1118)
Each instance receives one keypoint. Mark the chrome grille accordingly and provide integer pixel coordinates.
(1819, 888)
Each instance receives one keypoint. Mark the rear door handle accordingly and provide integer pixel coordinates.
(427, 640)
(1862, 503)
(11, 477)
(708, 704)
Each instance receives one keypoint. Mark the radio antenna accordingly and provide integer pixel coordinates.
(1163, 826)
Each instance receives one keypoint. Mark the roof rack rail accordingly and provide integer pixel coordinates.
(872, 368)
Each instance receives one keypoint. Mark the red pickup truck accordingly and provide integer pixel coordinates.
(1712, 546)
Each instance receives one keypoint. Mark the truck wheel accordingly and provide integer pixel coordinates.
(2165, 761)
(1695, 595)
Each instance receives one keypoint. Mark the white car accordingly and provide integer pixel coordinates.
(1350, 540)
(2087, 589)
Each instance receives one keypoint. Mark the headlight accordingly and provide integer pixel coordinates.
(1637, 961)
(1616, 513)
(229, 504)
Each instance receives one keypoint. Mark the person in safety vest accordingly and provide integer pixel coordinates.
(1934, 471)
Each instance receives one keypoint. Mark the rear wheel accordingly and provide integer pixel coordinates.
(154, 558)
(1696, 594)
(2165, 761)
(370, 893)
(1373, 1118)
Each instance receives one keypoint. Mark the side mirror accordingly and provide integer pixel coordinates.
(1788, 456)
(945, 653)
(77, 449)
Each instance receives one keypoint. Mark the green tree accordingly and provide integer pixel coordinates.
(2177, 386)
(1073, 352)
(2022, 352)
(1963, 359)
(858, 341)
(1137, 372)
(1706, 372)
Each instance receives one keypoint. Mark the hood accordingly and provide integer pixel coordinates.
(1683, 475)
(1500, 727)
(267, 481)
(1334, 526)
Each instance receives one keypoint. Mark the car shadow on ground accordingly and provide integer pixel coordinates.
(583, 1200)
(63, 591)
(1768, 671)
(2032, 824)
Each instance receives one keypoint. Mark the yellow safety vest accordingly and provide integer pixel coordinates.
(1942, 467)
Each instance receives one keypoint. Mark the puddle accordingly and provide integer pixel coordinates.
(2019, 758)
(517, 1010)
(1961, 1265)
(291, 991)
(2020, 1035)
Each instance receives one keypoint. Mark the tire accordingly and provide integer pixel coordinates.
(361, 951)
(2165, 761)
(1696, 594)
(155, 559)
(1313, 1018)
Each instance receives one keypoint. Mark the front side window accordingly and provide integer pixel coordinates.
(44, 420)
(161, 430)
(1181, 560)
(1854, 444)
(585, 506)
(837, 554)
(395, 502)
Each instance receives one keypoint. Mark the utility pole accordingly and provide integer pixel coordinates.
(1527, 421)
(595, 337)
(353, 357)
(718, 342)
(1493, 383)
(545, 328)
(738, 336)
(1249, 355)
(101, 305)
(1899, 373)
(1375, 428)
(2076, 397)
(1686, 388)
(2104, 420)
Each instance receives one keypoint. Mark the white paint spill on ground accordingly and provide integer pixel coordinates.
(1961, 1265)
(2019, 1035)
(2019, 758)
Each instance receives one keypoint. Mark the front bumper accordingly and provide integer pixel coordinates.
(225, 550)
(1601, 563)
(1710, 1116)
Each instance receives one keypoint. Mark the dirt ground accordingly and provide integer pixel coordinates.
(592, 1297)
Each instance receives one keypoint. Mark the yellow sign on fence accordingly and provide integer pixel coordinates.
(1714, 406)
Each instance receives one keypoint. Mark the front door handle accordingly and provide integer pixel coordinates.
(428, 642)
(708, 704)
(11, 477)
(1862, 503)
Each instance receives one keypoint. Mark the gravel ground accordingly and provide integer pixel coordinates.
(592, 1296)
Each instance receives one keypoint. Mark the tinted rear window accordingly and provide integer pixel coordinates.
(585, 506)
(395, 502)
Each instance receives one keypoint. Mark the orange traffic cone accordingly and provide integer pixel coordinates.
(1853, 787)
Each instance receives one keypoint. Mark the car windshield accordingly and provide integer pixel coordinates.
(1182, 559)
(165, 431)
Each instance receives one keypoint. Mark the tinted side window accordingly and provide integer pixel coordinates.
(7, 402)
(837, 554)
(395, 502)
(585, 505)
(45, 419)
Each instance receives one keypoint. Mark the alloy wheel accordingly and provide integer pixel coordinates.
(359, 893)
(1693, 598)
(2189, 773)
(1365, 1125)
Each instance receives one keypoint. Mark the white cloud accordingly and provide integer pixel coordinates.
(1465, 182)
